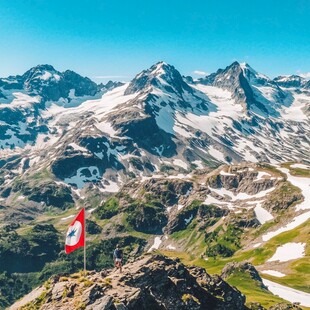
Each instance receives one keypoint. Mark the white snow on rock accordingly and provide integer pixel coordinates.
(180, 207)
(77, 147)
(218, 155)
(288, 251)
(170, 247)
(66, 218)
(112, 187)
(256, 245)
(225, 173)
(198, 163)
(262, 214)
(179, 176)
(304, 185)
(261, 176)
(156, 244)
(91, 210)
(106, 127)
(211, 200)
(182, 131)
(240, 196)
(298, 220)
(301, 166)
(274, 273)
(288, 293)
(180, 163)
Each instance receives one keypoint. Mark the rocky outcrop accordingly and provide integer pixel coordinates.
(285, 306)
(285, 196)
(241, 180)
(246, 267)
(290, 81)
(48, 192)
(153, 282)
(205, 216)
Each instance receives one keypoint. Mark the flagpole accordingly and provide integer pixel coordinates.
(84, 242)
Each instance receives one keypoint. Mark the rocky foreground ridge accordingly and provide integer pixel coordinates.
(152, 282)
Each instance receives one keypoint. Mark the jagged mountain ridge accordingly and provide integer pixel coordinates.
(149, 283)
(159, 120)
(25, 97)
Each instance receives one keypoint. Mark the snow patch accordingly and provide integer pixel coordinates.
(226, 173)
(262, 214)
(288, 293)
(66, 218)
(304, 185)
(274, 273)
(180, 207)
(180, 163)
(198, 163)
(256, 245)
(170, 247)
(301, 166)
(288, 252)
(77, 147)
(261, 176)
(298, 220)
(156, 244)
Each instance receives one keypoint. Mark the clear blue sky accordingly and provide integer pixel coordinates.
(121, 37)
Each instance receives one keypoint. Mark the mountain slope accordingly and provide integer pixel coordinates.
(145, 159)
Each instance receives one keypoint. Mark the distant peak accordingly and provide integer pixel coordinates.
(242, 65)
(43, 67)
(161, 63)
(251, 73)
(40, 70)
(235, 63)
(161, 75)
(161, 67)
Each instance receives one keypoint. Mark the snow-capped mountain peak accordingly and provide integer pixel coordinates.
(160, 118)
(162, 76)
(290, 81)
(253, 76)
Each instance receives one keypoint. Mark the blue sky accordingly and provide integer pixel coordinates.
(117, 39)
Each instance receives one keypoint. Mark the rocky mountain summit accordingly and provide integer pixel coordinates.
(152, 282)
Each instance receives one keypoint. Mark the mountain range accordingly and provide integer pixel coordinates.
(160, 120)
(210, 170)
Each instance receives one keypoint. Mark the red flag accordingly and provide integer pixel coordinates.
(76, 233)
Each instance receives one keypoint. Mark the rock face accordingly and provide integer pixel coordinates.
(50, 84)
(291, 81)
(153, 282)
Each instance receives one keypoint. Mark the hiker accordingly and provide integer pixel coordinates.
(118, 257)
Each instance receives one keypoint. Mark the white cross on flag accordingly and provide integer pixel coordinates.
(76, 233)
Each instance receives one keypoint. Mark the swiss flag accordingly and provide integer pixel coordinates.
(76, 233)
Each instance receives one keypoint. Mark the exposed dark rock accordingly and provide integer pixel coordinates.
(48, 192)
(285, 306)
(204, 215)
(247, 267)
(290, 81)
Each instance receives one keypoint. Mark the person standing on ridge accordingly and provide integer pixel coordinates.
(118, 257)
